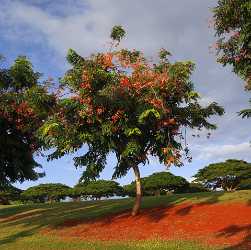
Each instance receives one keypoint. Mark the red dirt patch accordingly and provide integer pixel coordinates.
(228, 223)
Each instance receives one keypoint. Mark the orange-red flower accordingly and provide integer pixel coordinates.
(107, 60)
(124, 82)
(100, 110)
(117, 116)
(85, 85)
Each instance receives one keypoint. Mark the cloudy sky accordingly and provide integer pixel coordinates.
(44, 30)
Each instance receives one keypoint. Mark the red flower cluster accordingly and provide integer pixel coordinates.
(118, 115)
(125, 83)
(157, 103)
(100, 110)
(23, 109)
(85, 85)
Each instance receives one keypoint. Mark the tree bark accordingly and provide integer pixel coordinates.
(137, 203)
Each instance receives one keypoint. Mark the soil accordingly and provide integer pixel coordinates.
(221, 224)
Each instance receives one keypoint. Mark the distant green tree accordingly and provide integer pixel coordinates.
(129, 189)
(9, 193)
(76, 194)
(24, 105)
(79, 191)
(121, 102)
(98, 189)
(232, 22)
(164, 182)
(51, 192)
(158, 184)
(226, 175)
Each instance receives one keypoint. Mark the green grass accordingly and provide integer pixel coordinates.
(23, 231)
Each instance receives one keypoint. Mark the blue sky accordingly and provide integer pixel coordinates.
(45, 30)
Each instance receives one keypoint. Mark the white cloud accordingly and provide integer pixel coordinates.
(178, 25)
(150, 24)
(219, 152)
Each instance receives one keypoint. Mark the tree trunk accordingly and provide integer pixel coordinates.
(137, 203)
(4, 201)
(157, 193)
(76, 199)
(230, 189)
(50, 200)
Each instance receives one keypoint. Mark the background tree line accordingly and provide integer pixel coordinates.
(230, 176)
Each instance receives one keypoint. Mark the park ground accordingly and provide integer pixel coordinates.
(199, 221)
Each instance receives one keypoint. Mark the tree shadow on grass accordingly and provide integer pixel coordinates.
(191, 201)
(210, 199)
(14, 210)
(198, 200)
(184, 211)
(234, 230)
(249, 202)
(29, 220)
(13, 237)
(155, 208)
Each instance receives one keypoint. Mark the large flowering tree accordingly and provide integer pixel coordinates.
(24, 105)
(122, 103)
(232, 22)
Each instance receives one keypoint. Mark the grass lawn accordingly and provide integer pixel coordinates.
(20, 225)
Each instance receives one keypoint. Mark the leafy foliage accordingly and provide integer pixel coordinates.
(24, 105)
(46, 192)
(122, 103)
(226, 175)
(246, 113)
(117, 33)
(9, 193)
(232, 22)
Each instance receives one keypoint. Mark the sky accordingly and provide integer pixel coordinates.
(44, 30)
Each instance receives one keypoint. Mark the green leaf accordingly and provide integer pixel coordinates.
(193, 95)
(48, 127)
(133, 131)
(146, 114)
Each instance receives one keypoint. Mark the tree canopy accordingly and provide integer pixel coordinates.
(121, 102)
(46, 192)
(157, 184)
(24, 105)
(98, 189)
(225, 175)
(232, 22)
